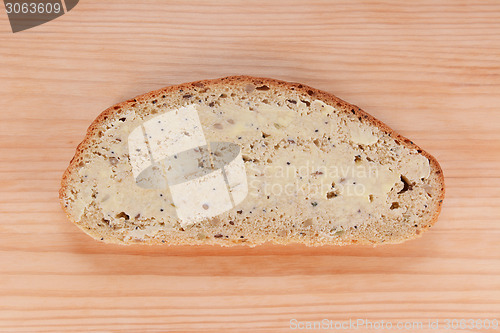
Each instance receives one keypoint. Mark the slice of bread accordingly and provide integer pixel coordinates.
(244, 160)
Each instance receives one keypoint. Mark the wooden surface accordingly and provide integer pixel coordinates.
(430, 70)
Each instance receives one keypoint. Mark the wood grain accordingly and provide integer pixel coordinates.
(429, 69)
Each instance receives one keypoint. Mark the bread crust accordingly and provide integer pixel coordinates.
(117, 110)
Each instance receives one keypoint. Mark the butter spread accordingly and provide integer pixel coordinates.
(291, 162)
(361, 134)
(418, 168)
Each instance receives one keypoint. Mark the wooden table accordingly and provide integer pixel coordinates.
(430, 70)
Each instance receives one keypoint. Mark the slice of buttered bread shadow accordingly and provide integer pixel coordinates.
(318, 170)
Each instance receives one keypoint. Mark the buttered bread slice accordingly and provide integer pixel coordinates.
(244, 160)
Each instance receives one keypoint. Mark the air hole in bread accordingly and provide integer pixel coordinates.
(406, 185)
(123, 215)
